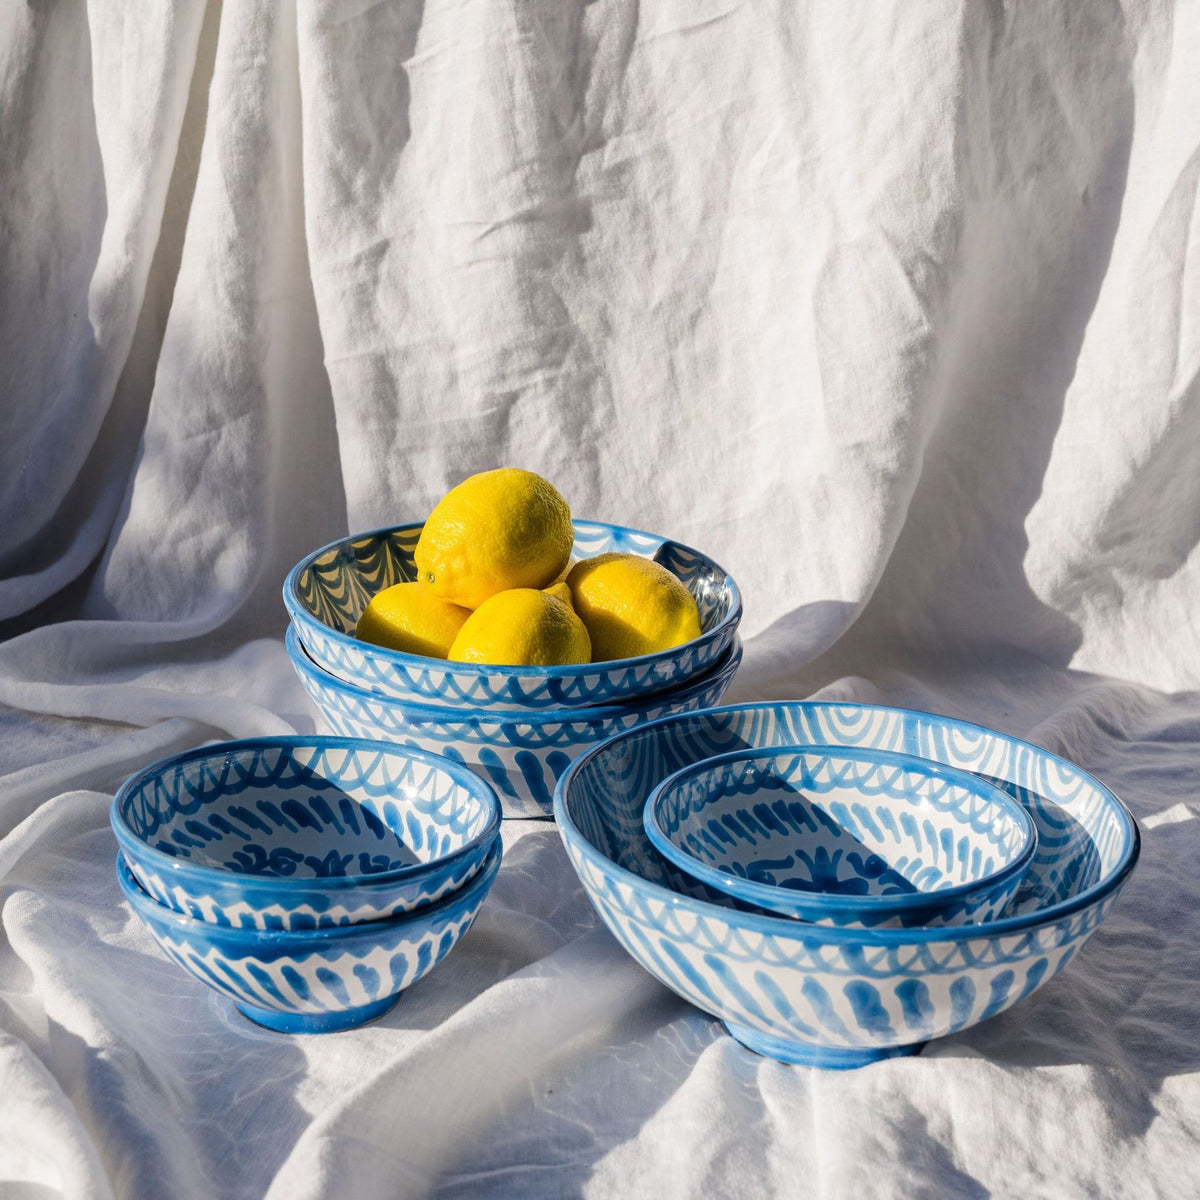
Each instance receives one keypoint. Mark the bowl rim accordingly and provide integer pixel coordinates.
(180, 868)
(305, 940)
(398, 658)
(784, 927)
(425, 710)
(818, 904)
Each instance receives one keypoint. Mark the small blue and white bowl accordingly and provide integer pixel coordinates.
(303, 832)
(825, 995)
(844, 836)
(521, 754)
(326, 593)
(317, 980)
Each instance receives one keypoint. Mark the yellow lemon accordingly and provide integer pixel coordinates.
(523, 627)
(496, 531)
(411, 618)
(631, 605)
(559, 590)
(561, 577)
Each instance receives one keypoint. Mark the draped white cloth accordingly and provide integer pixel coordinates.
(894, 309)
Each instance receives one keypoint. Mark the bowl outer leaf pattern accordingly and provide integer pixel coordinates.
(520, 754)
(844, 835)
(316, 972)
(830, 995)
(326, 593)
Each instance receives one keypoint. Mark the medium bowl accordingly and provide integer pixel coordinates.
(318, 980)
(326, 593)
(819, 994)
(303, 832)
(521, 754)
(844, 836)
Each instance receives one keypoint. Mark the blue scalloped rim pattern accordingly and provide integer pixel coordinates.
(521, 754)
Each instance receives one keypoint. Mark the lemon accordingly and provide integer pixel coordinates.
(631, 605)
(523, 627)
(561, 577)
(496, 531)
(560, 590)
(411, 618)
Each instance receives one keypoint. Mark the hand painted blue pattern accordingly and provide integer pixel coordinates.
(521, 754)
(798, 993)
(843, 873)
(321, 980)
(326, 593)
(277, 833)
(844, 836)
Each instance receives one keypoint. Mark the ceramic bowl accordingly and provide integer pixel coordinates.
(303, 832)
(844, 836)
(316, 980)
(520, 754)
(820, 994)
(326, 593)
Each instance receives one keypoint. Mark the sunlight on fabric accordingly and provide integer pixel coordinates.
(1174, 815)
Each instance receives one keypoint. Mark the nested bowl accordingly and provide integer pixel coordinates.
(326, 593)
(826, 995)
(844, 836)
(521, 754)
(303, 832)
(314, 980)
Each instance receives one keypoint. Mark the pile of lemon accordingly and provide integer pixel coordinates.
(495, 584)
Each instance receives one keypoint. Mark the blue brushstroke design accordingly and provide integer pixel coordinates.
(915, 1005)
(868, 1008)
(333, 982)
(962, 1001)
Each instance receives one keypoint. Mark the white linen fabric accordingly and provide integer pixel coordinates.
(894, 309)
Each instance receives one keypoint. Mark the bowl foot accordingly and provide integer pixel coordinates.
(326, 1022)
(806, 1054)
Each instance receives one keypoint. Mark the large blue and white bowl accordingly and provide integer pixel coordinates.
(326, 593)
(303, 832)
(823, 995)
(844, 836)
(319, 980)
(521, 754)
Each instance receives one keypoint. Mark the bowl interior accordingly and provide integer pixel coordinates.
(1086, 838)
(336, 586)
(835, 822)
(303, 810)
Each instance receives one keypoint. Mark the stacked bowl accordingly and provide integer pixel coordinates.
(308, 879)
(519, 727)
(811, 963)
(843, 836)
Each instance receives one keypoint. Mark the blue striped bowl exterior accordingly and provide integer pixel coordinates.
(303, 832)
(825, 995)
(321, 980)
(326, 593)
(520, 754)
(845, 837)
